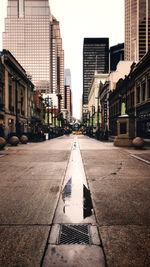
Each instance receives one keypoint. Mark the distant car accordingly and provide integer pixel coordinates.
(77, 132)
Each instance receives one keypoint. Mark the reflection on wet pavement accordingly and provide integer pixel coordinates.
(66, 193)
(87, 202)
(85, 199)
(75, 203)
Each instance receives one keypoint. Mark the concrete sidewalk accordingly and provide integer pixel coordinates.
(120, 186)
(141, 154)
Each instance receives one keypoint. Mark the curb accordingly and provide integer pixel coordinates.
(141, 159)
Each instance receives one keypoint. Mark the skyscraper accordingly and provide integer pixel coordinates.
(95, 58)
(137, 29)
(68, 95)
(57, 61)
(116, 55)
(27, 36)
(68, 101)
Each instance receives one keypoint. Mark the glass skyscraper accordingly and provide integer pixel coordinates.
(95, 58)
(137, 29)
(27, 37)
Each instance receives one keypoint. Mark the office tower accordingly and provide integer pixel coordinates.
(68, 101)
(116, 55)
(68, 93)
(57, 61)
(95, 58)
(27, 36)
(137, 29)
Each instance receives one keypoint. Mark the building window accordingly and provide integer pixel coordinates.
(132, 99)
(148, 88)
(143, 92)
(22, 102)
(10, 96)
(127, 102)
(1, 94)
(117, 108)
(138, 94)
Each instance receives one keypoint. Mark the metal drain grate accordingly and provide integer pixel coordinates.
(74, 234)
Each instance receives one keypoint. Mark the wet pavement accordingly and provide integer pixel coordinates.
(74, 201)
(74, 237)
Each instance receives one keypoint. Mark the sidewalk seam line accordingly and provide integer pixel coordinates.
(139, 158)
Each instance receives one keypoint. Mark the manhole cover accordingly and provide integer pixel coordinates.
(74, 234)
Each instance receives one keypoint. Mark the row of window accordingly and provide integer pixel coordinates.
(116, 108)
(140, 97)
(141, 92)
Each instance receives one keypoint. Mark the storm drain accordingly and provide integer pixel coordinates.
(74, 234)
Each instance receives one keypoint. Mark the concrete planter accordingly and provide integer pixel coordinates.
(24, 139)
(138, 142)
(2, 142)
(14, 140)
(123, 142)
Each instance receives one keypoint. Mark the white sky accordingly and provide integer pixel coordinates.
(79, 19)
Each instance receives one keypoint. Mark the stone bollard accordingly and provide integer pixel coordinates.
(2, 142)
(138, 142)
(14, 140)
(24, 139)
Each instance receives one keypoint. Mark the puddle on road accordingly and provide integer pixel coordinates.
(75, 204)
(71, 206)
(74, 237)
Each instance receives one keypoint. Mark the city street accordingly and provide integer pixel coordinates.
(46, 186)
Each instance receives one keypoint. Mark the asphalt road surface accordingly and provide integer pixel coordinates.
(31, 185)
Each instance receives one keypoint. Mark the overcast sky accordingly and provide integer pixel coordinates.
(79, 19)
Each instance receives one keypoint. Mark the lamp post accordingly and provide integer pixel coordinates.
(48, 102)
(59, 99)
(52, 112)
(55, 116)
(88, 120)
(93, 112)
(98, 111)
(16, 105)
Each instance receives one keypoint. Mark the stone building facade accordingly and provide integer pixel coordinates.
(16, 96)
(134, 92)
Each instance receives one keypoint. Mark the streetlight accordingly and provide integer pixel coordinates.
(98, 112)
(93, 112)
(88, 121)
(48, 102)
(16, 104)
(55, 116)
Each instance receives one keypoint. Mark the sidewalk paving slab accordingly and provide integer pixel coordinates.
(120, 186)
